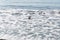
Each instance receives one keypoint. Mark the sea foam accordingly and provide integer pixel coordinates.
(24, 24)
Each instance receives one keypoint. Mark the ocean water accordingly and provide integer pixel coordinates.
(31, 5)
(18, 22)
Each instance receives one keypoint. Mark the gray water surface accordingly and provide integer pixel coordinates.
(30, 4)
